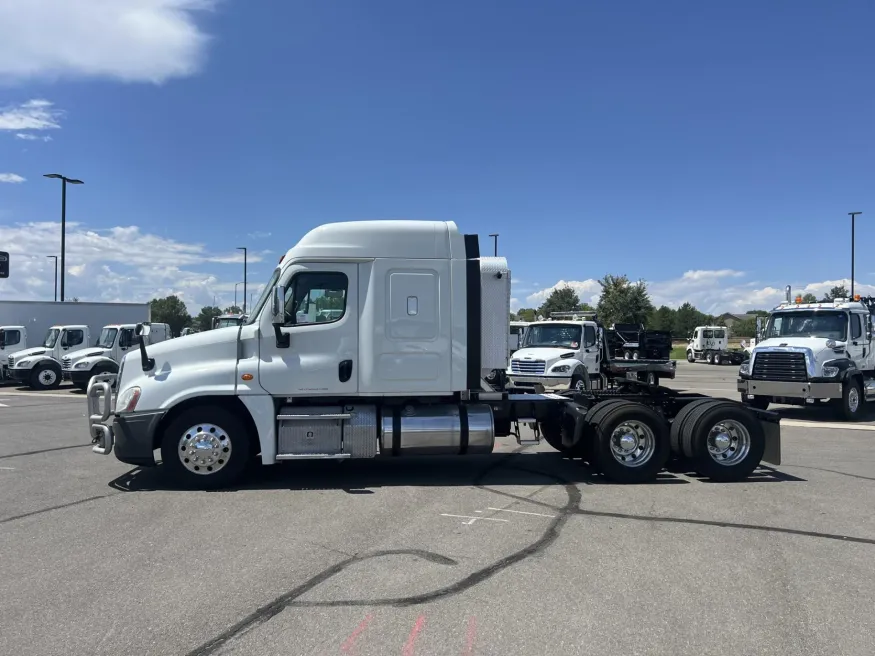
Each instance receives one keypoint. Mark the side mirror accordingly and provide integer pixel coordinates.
(143, 329)
(759, 328)
(278, 306)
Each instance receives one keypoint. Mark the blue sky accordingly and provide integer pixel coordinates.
(724, 141)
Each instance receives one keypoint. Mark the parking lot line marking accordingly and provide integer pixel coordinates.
(521, 512)
(9, 468)
(45, 394)
(473, 519)
(823, 424)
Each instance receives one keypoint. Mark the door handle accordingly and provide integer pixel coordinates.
(344, 371)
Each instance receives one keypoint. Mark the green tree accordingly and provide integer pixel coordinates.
(839, 291)
(662, 319)
(744, 328)
(170, 310)
(564, 299)
(758, 313)
(204, 320)
(527, 314)
(232, 309)
(623, 301)
(686, 319)
(809, 298)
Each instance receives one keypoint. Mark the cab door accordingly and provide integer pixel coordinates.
(321, 322)
(590, 352)
(858, 346)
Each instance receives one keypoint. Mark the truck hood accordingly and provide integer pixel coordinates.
(548, 354)
(198, 347)
(26, 353)
(88, 353)
(816, 345)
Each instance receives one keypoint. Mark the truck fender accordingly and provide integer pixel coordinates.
(108, 364)
(37, 360)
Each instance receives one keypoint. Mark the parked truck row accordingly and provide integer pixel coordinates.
(418, 320)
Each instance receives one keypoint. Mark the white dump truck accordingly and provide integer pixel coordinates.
(75, 327)
(112, 345)
(400, 372)
(814, 354)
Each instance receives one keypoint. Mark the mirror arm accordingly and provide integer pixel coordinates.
(282, 339)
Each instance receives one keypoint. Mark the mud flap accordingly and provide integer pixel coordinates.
(578, 414)
(772, 433)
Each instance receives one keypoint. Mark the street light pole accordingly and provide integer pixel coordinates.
(495, 242)
(243, 248)
(853, 216)
(64, 180)
(56, 275)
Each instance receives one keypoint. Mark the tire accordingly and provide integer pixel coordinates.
(104, 370)
(217, 425)
(631, 442)
(690, 357)
(718, 359)
(724, 441)
(627, 355)
(578, 380)
(709, 357)
(851, 406)
(758, 402)
(583, 449)
(677, 426)
(45, 377)
(635, 355)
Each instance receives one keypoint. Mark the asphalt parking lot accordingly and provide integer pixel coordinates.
(521, 552)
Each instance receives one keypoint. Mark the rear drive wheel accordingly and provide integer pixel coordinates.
(718, 359)
(758, 402)
(205, 447)
(709, 357)
(690, 357)
(850, 406)
(627, 355)
(45, 377)
(635, 355)
(631, 442)
(724, 441)
(677, 426)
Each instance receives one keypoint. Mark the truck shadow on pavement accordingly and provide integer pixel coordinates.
(366, 476)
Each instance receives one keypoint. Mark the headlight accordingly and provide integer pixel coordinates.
(562, 368)
(830, 372)
(744, 369)
(23, 363)
(127, 400)
(80, 365)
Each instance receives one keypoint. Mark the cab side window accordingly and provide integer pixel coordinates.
(708, 334)
(11, 337)
(73, 338)
(588, 336)
(719, 334)
(856, 327)
(126, 339)
(316, 297)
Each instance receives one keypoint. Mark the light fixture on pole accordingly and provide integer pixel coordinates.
(64, 180)
(853, 216)
(55, 257)
(243, 248)
(495, 243)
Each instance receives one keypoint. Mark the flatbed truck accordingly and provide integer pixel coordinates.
(400, 372)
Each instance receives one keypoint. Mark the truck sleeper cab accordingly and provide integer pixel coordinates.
(372, 339)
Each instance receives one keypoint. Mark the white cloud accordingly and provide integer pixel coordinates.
(11, 178)
(713, 292)
(258, 234)
(36, 114)
(128, 40)
(119, 264)
(32, 137)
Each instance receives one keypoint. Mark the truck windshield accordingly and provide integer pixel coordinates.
(265, 295)
(827, 325)
(51, 338)
(107, 337)
(563, 335)
(224, 322)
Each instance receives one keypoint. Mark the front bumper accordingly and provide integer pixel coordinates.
(78, 377)
(547, 382)
(20, 375)
(800, 390)
(132, 436)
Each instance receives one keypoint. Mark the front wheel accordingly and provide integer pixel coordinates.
(850, 406)
(205, 447)
(45, 377)
(690, 357)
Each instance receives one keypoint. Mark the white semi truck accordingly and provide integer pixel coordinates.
(400, 371)
(62, 329)
(112, 345)
(813, 354)
(711, 344)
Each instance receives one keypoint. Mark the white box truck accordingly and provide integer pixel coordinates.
(54, 330)
(397, 371)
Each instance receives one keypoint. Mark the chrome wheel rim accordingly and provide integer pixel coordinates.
(204, 449)
(853, 399)
(632, 443)
(728, 442)
(48, 377)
